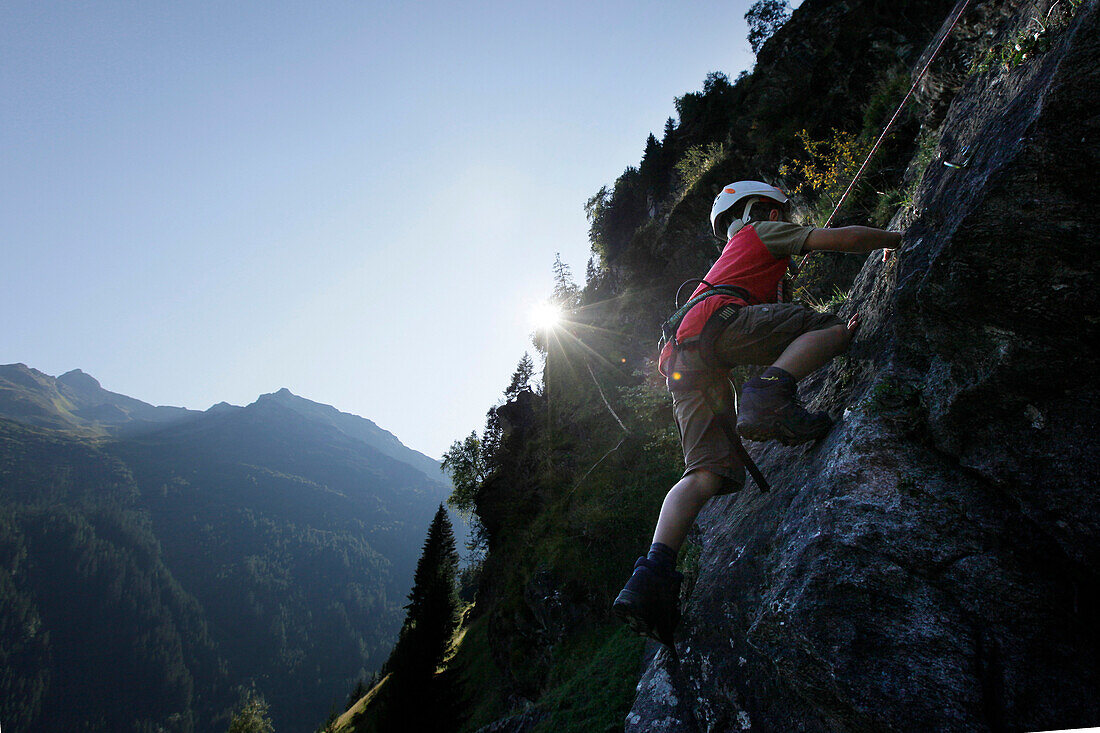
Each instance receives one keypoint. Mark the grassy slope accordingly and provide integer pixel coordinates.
(358, 717)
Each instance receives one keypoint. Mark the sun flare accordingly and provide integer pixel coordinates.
(545, 316)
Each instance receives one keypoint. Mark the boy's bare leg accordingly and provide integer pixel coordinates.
(649, 603)
(814, 349)
(682, 504)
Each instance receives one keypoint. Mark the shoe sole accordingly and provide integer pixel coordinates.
(775, 430)
(625, 608)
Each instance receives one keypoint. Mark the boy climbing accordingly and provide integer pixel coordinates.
(735, 316)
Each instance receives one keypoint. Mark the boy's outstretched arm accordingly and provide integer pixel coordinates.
(854, 239)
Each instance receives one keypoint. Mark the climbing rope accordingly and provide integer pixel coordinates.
(886, 130)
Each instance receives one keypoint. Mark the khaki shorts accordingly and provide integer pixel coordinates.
(758, 335)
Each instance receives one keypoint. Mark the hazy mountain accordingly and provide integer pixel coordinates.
(269, 544)
(358, 428)
(75, 401)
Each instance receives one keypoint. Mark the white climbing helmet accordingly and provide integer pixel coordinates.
(737, 192)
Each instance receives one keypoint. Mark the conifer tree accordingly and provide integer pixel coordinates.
(670, 130)
(432, 610)
(521, 378)
(361, 688)
(566, 293)
(416, 699)
(251, 715)
(651, 159)
(654, 168)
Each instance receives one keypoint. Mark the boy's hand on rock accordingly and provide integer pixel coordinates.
(888, 252)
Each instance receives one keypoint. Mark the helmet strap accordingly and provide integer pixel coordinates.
(748, 205)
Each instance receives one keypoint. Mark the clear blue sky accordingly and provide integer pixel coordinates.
(360, 201)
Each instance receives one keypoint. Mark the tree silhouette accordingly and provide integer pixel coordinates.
(521, 377)
(416, 699)
(566, 293)
(765, 17)
(465, 463)
(432, 610)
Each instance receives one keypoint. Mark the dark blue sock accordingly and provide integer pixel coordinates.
(663, 555)
(775, 372)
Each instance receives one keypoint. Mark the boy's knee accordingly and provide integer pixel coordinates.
(840, 336)
(705, 483)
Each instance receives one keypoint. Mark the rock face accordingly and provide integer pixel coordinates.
(932, 564)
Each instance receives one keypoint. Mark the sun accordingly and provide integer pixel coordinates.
(545, 316)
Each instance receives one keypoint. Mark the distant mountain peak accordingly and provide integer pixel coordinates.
(80, 380)
(356, 427)
(75, 401)
(281, 395)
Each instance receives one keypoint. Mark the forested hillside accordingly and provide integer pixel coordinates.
(147, 578)
(925, 566)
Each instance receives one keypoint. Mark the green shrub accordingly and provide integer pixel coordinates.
(696, 162)
(825, 170)
(1034, 38)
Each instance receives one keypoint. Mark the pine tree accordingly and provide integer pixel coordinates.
(654, 168)
(251, 715)
(432, 598)
(670, 130)
(432, 610)
(361, 688)
(651, 158)
(566, 293)
(521, 378)
(416, 700)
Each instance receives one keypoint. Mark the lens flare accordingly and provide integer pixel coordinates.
(545, 316)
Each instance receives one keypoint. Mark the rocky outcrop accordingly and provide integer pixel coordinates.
(932, 564)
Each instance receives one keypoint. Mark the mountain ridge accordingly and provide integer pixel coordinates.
(270, 545)
(77, 401)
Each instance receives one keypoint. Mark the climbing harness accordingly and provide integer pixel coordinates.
(796, 269)
(713, 326)
(703, 381)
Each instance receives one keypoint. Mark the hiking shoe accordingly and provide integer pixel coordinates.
(650, 602)
(769, 409)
